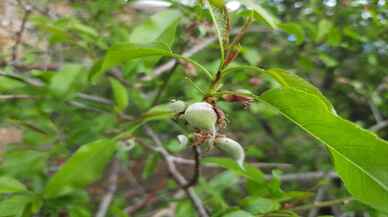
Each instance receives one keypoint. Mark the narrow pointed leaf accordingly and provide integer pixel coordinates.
(83, 168)
(160, 27)
(14, 206)
(261, 13)
(287, 79)
(11, 185)
(220, 18)
(120, 95)
(121, 53)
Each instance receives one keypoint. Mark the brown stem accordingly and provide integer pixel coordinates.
(108, 197)
(197, 168)
(19, 34)
(176, 175)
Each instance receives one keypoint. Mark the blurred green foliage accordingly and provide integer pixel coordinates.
(87, 74)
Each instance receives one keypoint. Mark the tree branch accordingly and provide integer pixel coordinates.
(379, 126)
(19, 34)
(197, 168)
(176, 175)
(306, 176)
(323, 204)
(107, 199)
(11, 97)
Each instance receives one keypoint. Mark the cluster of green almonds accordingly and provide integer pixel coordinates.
(202, 115)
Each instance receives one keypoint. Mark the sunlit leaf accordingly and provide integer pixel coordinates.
(359, 155)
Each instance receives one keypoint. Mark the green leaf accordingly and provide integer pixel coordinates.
(159, 112)
(259, 205)
(23, 163)
(14, 206)
(83, 168)
(238, 213)
(9, 84)
(150, 165)
(244, 68)
(185, 209)
(251, 55)
(67, 81)
(217, 3)
(120, 95)
(160, 27)
(352, 33)
(360, 157)
(328, 60)
(11, 185)
(249, 171)
(295, 30)
(287, 79)
(121, 53)
(261, 14)
(220, 19)
(324, 27)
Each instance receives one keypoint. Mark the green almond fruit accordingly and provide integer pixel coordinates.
(231, 148)
(201, 115)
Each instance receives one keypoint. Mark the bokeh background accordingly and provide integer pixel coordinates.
(48, 108)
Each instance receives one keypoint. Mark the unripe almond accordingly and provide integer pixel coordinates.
(231, 148)
(201, 115)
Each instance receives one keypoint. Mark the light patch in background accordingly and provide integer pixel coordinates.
(330, 3)
(156, 4)
(233, 5)
(150, 4)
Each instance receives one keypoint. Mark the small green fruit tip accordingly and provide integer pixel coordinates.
(240, 163)
(231, 148)
(177, 106)
(182, 139)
